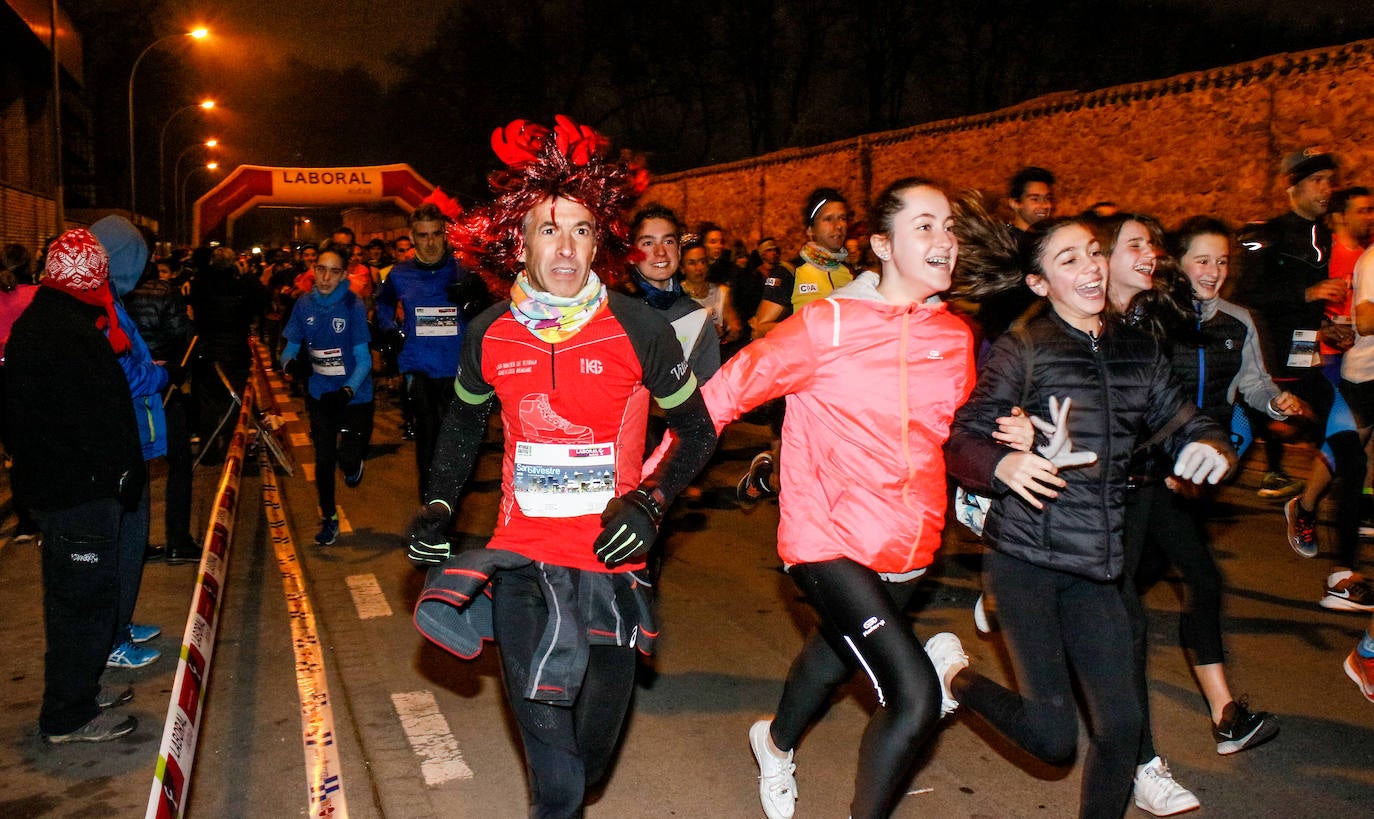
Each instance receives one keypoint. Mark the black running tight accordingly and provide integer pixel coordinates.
(863, 626)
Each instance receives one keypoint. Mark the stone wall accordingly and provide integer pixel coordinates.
(1208, 142)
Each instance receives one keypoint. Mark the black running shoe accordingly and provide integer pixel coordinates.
(1240, 728)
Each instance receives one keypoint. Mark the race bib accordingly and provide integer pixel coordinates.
(436, 321)
(328, 362)
(563, 480)
(1304, 352)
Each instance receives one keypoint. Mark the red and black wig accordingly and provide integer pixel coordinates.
(570, 162)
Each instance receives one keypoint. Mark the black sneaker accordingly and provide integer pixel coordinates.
(352, 480)
(1240, 728)
(188, 551)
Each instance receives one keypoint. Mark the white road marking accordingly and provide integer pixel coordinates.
(308, 470)
(368, 597)
(300, 439)
(288, 416)
(430, 737)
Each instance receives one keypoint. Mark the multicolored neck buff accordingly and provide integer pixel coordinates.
(826, 260)
(555, 318)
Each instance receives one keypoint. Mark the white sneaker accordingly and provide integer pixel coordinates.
(1157, 792)
(777, 785)
(946, 653)
(982, 620)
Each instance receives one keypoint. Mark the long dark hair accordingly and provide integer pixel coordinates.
(1164, 311)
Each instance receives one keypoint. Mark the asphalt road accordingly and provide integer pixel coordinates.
(421, 733)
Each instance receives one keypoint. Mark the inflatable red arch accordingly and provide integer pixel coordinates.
(249, 186)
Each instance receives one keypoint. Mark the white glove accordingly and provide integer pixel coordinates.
(1059, 450)
(1199, 462)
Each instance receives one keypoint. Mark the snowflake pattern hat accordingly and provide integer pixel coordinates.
(78, 266)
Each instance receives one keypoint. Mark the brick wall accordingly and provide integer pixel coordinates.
(1207, 142)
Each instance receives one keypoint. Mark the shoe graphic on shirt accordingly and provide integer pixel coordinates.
(539, 422)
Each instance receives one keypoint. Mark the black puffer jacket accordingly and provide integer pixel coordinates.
(1122, 391)
(160, 313)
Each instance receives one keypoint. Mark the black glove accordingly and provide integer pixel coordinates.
(629, 526)
(333, 402)
(427, 541)
(470, 294)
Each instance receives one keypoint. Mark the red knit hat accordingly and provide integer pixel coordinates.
(78, 266)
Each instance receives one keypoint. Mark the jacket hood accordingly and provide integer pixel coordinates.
(127, 250)
(864, 287)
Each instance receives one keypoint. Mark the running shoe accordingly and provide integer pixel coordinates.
(1366, 529)
(113, 699)
(1158, 793)
(139, 633)
(356, 478)
(1302, 528)
(1240, 728)
(946, 653)
(128, 655)
(777, 785)
(329, 531)
(1348, 591)
(1277, 485)
(106, 726)
(756, 483)
(1361, 671)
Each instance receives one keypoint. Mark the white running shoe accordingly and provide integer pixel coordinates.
(777, 785)
(983, 621)
(946, 653)
(1158, 793)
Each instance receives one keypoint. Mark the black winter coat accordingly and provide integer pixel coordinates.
(1122, 391)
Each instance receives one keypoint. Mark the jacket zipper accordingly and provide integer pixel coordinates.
(1102, 479)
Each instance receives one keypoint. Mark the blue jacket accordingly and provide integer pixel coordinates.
(334, 330)
(433, 325)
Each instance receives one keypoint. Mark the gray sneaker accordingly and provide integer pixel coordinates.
(106, 726)
(110, 698)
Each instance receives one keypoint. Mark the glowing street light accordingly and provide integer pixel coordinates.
(204, 105)
(197, 34)
(208, 167)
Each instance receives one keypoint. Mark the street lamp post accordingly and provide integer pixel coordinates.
(204, 105)
(198, 34)
(176, 178)
(209, 167)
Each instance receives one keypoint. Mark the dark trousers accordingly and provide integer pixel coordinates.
(567, 750)
(80, 601)
(1054, 623)
(850, 598)
(340, 439)
(1171, 523)
(177, 515)
(429, 400)
(133, 543)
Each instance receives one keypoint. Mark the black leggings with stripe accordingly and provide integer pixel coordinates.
(863, 625)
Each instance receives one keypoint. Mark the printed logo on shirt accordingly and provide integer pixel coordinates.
(86, 557)
(680, 370)
(872, 624)
(772, 281)
(340, 324)
(935, 355)
(310, 321)
(808, 287)
(591, 366)
(1230, 344)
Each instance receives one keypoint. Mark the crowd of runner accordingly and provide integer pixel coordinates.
(1084, 381)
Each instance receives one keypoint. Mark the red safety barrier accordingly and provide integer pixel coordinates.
(172, 777)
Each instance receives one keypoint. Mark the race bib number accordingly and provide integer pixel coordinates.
(1304, 352)
(436, 321)
(563, 480)
(328, 362)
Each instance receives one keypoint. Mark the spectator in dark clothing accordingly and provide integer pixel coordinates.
(78, 465)
(159, 312)
(224, 302)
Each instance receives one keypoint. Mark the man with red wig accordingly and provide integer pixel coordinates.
(574, 366)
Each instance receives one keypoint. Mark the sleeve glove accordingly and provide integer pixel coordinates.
(335, 400)
(629, 527)
(1199, 463)
(427, 542)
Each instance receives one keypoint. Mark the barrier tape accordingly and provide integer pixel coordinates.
(176, 755)
(324, 773)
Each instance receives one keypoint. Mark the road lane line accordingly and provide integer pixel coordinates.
(300, 439)
(368, 597)
(430, 737)
(323, 771)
